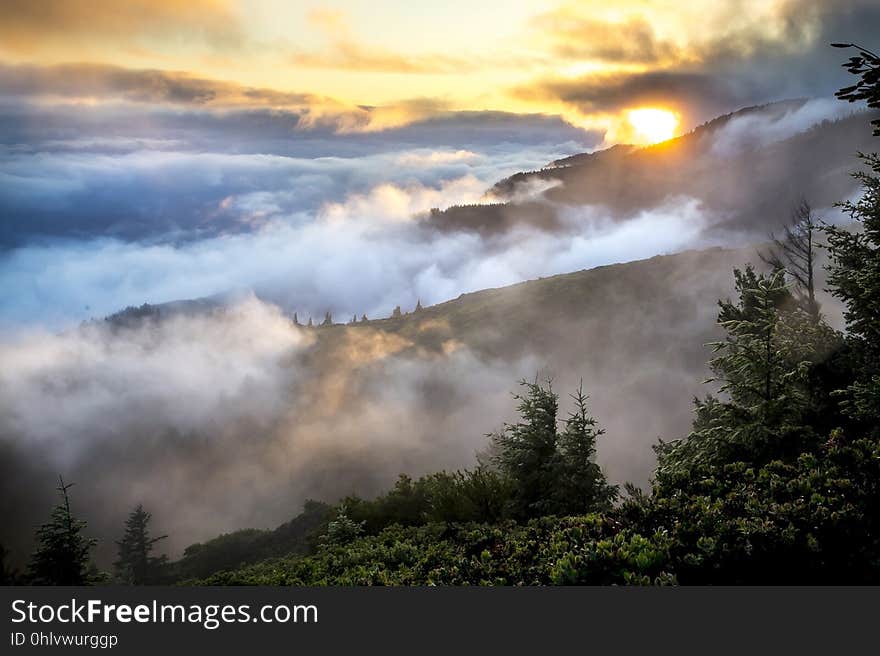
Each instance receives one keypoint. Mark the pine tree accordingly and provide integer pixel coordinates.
(135, 565)
(295, 319)
(396, 313)
(328, 319)
(526, 451)
(854, 271)
(795, 253)
(854, 277)
(418, 305)
(342, 529)
(763, 369)
(582, 484)
(62, 553)
(364, 318)
(865, 65)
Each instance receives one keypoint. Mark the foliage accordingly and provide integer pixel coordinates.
(342, 529)
(866, 66)
(135, 564)
(62, 553)
(795, 252)
(815, 519)
(231, 550)
(854, 276)
(527, 451)
(551, 472)
(479, 495)
(764, 367)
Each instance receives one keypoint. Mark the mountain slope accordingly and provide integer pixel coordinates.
(746, 169)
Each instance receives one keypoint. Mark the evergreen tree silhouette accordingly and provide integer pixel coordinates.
(135, 565)
(62, 553)
(795, 252)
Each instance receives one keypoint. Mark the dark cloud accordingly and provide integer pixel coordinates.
(740, 66)
(145, 86)
(693, 94)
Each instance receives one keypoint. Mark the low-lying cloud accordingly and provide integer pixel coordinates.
(757, 129)
(364, 255)
(216, 420)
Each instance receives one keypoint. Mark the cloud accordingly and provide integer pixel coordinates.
(756, 129)
(694, 94)
(89, 83)
(136, 173)
(228, 419)
(366, 254)
(88, 80)
(68, 89)
(29, 27)
(576, 37)
(739, 57)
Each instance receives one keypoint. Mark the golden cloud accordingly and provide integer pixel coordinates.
(632, 40)
(28, 26)
(87, 82)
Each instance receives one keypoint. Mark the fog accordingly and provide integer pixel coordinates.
(230, 419)
(363, 255)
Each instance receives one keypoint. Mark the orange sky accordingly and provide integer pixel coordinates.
(410, 59)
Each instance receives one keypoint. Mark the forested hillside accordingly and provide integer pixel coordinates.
(737, 166)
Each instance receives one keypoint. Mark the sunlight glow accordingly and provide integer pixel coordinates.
(652, 125)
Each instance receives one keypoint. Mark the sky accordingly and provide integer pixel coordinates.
(369, 65)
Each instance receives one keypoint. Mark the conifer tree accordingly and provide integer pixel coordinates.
(328, 319)
(526, 451)
(396, 313)
(866, 66)
(582, 484)
(342, 529)
(795, 252)
(854, 271)
(62, 553)
(762, 367)
(295, 319)
(418, 305)
(854, 277)
(135, 564)
(364, 318)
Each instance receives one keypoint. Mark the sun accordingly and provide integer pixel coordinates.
(652, 125)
